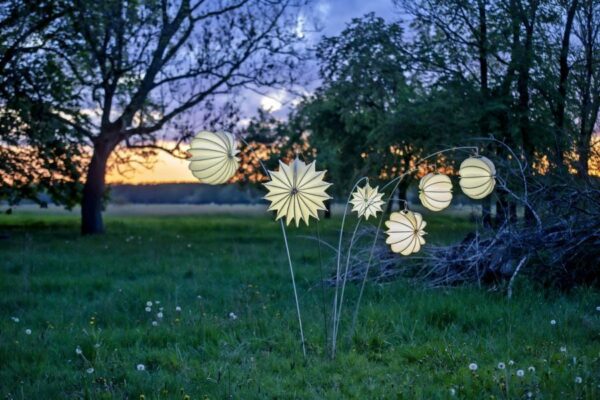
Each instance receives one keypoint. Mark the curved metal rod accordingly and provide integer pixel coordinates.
(525, 202)
(337, 273)
(339, 312)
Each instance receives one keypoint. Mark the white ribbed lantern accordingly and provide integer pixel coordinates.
(405, 232)
(213, 158)
(477, 177)
(435, 191)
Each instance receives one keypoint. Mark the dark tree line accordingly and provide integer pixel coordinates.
(524, 72)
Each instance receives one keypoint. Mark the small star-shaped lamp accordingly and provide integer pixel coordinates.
(297, 191)
(367, 201)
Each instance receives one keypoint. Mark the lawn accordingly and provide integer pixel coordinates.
(73, 320)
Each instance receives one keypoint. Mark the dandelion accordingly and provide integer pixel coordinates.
(529, 395)
(520, 373)
(473, 367)
(501, 365)
(531, 369)
(78, 351)
(232, 316)
(141, 367)
(156, 301)
(160, 308)
(598, 308)
(154, 323)
(553, 322)
(97, 345)
(148, 303)
(148, 309)
(578, 379)
(90, 370)
(178, 309)
(28, 331)
(15, 320)
(563, 349)
(511, 362)
(159, 315)
(452, 392)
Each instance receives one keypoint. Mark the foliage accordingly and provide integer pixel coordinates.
(39, 157)
(411, 343)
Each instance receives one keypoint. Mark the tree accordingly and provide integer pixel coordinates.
(38, 157)
(365, 118)
(146, 70)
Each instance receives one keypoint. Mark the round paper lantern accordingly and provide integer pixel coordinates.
(435, 191)
(213, 158)
(297, 191)
(477, 177)
(405, 232)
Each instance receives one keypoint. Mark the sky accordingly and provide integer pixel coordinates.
(332, 17)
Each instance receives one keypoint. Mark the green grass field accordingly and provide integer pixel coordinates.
(89, 294)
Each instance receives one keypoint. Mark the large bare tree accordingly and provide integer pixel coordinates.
(154, 69)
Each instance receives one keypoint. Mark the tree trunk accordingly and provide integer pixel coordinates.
(93, 190)
(559, 115)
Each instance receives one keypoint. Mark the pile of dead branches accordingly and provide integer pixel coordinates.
(558, 248)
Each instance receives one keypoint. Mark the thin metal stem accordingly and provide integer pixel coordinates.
(287, 249)
(337, 273)
(339, 313)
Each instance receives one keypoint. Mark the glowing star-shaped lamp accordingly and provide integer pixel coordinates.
(477, 177)
(297, 191)
(213, 159)
(367, 201)
(405, 232)
(435, 191)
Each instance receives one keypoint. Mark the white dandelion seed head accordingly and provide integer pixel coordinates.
(148, 309)
(15, 319)
(232, 315)
(160, 308)
(511, 362)
(452, 392)
(156, 302)
(178, 309)
(159, 315)
(90, 370)
(154, 323)
(598, 308)
(520, 373)
(563, 349)
(141, 367)
(578, 379)
(28, 331)
(473, 367)
(531, 369)
(148, 304)
(501, 365)
(553, 322)
(78, 350)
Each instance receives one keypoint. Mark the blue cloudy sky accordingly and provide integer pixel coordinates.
(330, 16)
